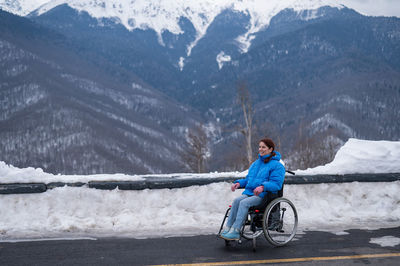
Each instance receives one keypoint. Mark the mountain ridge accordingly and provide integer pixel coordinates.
(165, 15)
(312, 82)
(66, 115)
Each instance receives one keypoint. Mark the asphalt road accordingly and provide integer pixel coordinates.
(311, 248)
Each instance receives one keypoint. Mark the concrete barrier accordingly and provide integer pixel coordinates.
(318, 179)
(123, 185)
(289, 179)
(19, 188)
(62, 184)
(176, 182)
(157, 183)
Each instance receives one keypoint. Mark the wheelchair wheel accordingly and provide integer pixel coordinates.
(280, 222)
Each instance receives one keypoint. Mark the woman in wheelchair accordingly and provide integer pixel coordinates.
(265, 175)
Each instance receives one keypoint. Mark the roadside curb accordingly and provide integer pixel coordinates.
(169, 183)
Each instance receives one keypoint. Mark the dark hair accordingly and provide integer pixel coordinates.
(270, 144)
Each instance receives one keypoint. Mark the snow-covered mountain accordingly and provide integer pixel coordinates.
(56, 110)
(21, 7)
(326, 74)
(165, 15)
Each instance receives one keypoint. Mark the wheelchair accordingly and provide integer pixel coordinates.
(275, 217)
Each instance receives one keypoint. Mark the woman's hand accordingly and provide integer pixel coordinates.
(235, 186)
(258, 190)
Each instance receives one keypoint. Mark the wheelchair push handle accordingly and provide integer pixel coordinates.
(290, 172)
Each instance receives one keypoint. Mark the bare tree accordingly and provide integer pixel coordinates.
(195, 154)
(246, 130)
(311, 151)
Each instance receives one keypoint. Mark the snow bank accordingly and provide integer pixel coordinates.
(361, 156)
(386, 241)
(11, 174)
(71, 212)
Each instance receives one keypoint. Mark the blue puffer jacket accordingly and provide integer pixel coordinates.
(271, 175)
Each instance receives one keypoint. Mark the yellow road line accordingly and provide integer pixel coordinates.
(364, 256)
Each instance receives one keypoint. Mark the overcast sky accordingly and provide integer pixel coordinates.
(374, 7)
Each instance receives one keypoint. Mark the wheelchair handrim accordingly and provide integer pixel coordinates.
(269, 234)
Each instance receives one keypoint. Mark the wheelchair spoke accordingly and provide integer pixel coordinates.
(252, 227)
(280, 222)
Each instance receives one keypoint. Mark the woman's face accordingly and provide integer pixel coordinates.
(263, 149)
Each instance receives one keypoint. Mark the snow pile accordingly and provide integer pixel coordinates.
(11, 174)
(361, 156)
(70, 211)
(386, 241)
